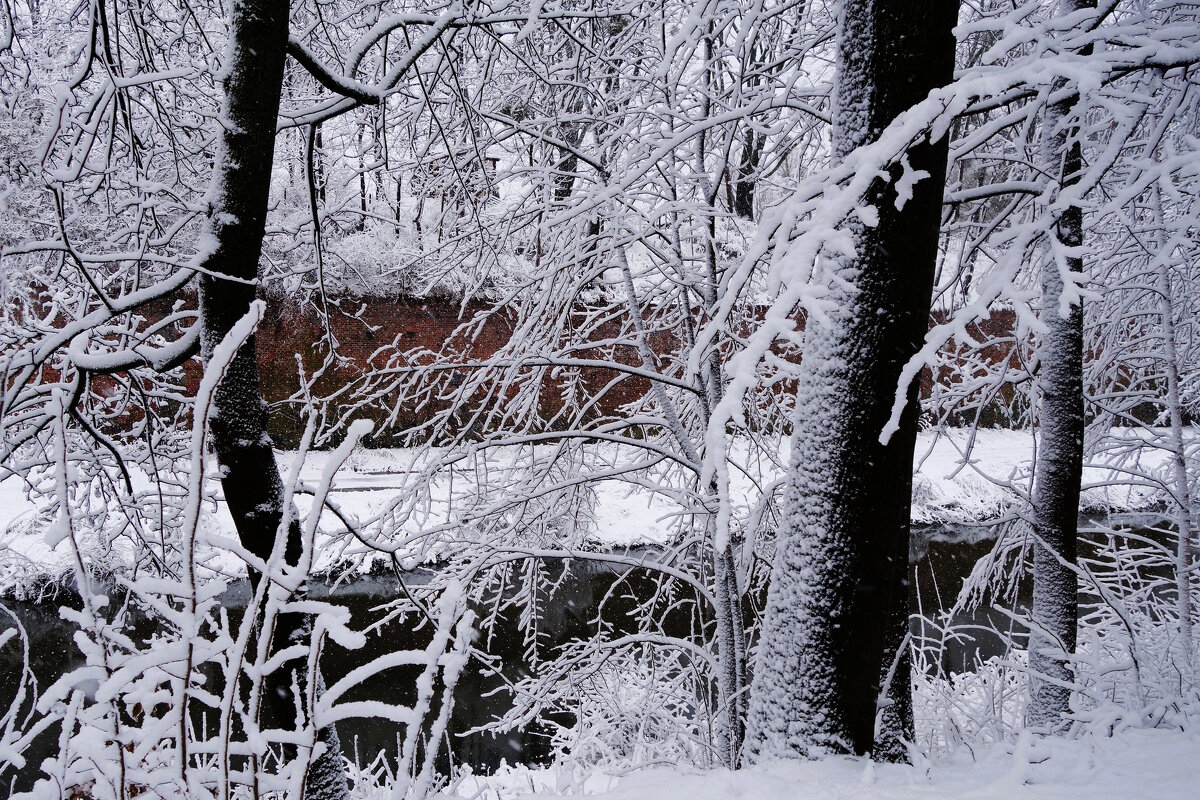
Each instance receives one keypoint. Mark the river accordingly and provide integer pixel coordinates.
(941, 557)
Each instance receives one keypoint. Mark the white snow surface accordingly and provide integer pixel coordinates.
(945, 490)
(1148, 764)
(950, 488)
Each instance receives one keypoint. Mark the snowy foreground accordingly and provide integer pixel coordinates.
(1147, 764)
(946, 489)
(1142, 764)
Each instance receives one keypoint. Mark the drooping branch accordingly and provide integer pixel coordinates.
(334, 82)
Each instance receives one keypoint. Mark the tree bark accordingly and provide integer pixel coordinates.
(747, 180)
(1059, 465)
(837, 605)
(232, 236)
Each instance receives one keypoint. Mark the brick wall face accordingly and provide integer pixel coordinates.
(369, 330)
(367, 333)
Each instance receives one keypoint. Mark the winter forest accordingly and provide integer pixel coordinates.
(637, 398)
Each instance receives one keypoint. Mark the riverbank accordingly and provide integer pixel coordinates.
(1159, 764)
(948, 489)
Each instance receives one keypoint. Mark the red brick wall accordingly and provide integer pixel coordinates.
(364, 328)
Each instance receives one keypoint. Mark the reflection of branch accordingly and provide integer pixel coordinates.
(511, 553)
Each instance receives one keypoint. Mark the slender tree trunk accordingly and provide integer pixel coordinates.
(1179, 476)
(743, 197)
(1059, 468)
(233, 234)
(838, 596)
(362, 182)
(1182, 491)
(730, 630)
(399, 199)
(731, 644)
(320, 161)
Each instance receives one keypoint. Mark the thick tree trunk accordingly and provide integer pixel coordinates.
(233, 237)
(1059, 467)
(837, 605)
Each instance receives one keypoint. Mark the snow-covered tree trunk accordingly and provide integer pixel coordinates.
(1179, 475)
(1059, 464)
(230, 246)
(836, 609)
(730, 630)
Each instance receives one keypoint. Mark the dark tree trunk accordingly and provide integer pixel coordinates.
(238, 195)
(362, 183)
(743, 193)
(1059, 468)
(836, 612)
(319, 158)
(568, 162)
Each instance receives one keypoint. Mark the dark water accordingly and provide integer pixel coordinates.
(568, 614)
(943, 557)
(940, 557)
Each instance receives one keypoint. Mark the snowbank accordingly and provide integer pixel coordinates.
(1159, 764)
(951, 488)
(946, 489)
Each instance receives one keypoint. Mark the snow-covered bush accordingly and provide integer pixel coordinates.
(1133, 667)
(625, 704)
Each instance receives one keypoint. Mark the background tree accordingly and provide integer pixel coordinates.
(1059, 467)
(612, 310)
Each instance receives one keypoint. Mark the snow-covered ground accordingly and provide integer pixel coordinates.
(949, 488)
(1144, 764)
(945, 490)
